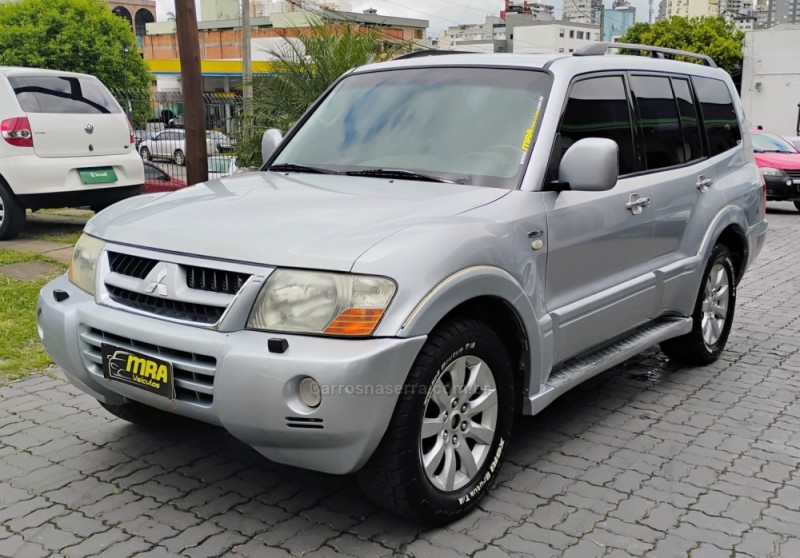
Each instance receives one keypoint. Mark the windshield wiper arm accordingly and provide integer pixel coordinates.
(400, 174)
(291, 167)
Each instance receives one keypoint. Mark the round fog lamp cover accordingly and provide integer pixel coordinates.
(309, 392)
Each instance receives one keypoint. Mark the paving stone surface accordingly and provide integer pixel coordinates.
(649, 459)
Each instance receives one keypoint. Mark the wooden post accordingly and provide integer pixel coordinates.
(194, 120)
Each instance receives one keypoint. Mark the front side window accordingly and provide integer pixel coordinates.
(659, 123)
(598, 108)
(62, 95)
(468, 125)
(719, 115)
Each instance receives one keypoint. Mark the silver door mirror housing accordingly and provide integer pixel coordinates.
(590, 165)
(269, 143)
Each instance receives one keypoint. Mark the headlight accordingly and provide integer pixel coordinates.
(322, 303)
(769, 171)
(82, 268)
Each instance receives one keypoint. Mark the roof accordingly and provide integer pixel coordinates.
(20, 70)
(556, 62)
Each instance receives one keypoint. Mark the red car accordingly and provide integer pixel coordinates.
(156, 180)
(779, 162)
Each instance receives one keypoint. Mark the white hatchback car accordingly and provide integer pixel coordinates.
(170, 145)
(65, 142)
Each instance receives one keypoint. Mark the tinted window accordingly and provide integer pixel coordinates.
(62, 95)
(658, 122)
(598, 108)
(689, 122)
(719, 116)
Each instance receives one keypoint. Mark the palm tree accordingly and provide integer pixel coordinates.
(304, 66)
(170, 16)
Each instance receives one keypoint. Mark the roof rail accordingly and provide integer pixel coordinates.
(599, 49)
(429, 52)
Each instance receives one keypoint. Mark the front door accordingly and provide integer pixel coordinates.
(600, 281)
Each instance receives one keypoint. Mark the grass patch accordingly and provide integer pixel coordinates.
(62, 237)
(66, 212)
(22, 353)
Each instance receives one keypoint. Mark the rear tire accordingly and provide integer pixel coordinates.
(12, 214)
(145, 153)
(179, 158)
(444, 446)
(148, 417)
(713, 313)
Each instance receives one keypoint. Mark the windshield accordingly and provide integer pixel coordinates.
(469, 125)
(770, 143)
(219, 164)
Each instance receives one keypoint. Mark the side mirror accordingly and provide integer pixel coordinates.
(272, 138)
(590, 165)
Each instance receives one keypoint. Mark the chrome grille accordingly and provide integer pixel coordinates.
(793, 174)
(193, 373)
(132, 266)
(168, 308)
(215, 280)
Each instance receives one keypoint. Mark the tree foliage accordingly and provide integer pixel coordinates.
(306, 62)
(77, 36)
(712, 36)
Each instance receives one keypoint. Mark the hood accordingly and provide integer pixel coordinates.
(784, 161)
(310, 221)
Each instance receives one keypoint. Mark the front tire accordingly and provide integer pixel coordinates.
(12, 214)
(447, 437)
(179, 158)
(145, 154)
(713, 313)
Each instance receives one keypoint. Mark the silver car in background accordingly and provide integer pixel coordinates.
(440, 244)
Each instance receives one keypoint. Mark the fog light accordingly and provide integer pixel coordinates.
(310, 392)
(789, 182)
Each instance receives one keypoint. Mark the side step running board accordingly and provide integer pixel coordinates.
(579, 369)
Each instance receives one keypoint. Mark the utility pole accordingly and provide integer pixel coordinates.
(247, 58)
(194, 119)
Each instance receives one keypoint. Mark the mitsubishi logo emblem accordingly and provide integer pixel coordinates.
(159, 286)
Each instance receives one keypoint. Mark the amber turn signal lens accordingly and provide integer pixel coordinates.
(355, 321)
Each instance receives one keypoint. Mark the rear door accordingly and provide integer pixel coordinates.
(71, 116)
(599, 271)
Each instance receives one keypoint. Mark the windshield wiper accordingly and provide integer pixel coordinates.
(400, 174)
(291, 167)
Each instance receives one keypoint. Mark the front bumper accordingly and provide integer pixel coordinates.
(230, 379)
(782, 188)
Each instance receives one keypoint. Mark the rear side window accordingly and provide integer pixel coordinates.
(62, 95)
(659, 122)
(690, 124)
(598, 108)
(719, 116)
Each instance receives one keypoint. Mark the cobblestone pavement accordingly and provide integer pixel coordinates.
(646, 460)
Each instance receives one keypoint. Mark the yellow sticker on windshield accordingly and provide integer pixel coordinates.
(526, 142)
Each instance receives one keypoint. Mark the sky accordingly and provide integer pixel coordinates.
(442, 13)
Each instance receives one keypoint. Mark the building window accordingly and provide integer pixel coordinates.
(572, 50)
(561, 50)
(561, 33)
(580, 35)
(571, 33)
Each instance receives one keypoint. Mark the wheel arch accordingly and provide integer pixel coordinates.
(492, 296)
(728, 227)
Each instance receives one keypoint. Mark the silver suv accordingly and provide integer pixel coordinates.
(441, 243)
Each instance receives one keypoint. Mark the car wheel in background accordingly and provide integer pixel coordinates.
(179, 158)
(12, 214)
(145, 153)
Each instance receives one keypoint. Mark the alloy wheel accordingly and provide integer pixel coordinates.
(459, 423)
(715, 304)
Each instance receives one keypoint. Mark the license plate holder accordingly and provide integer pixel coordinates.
(99, 175)
(136, 369)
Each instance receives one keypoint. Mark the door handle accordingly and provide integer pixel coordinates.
(703, 183)
(636, 203)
